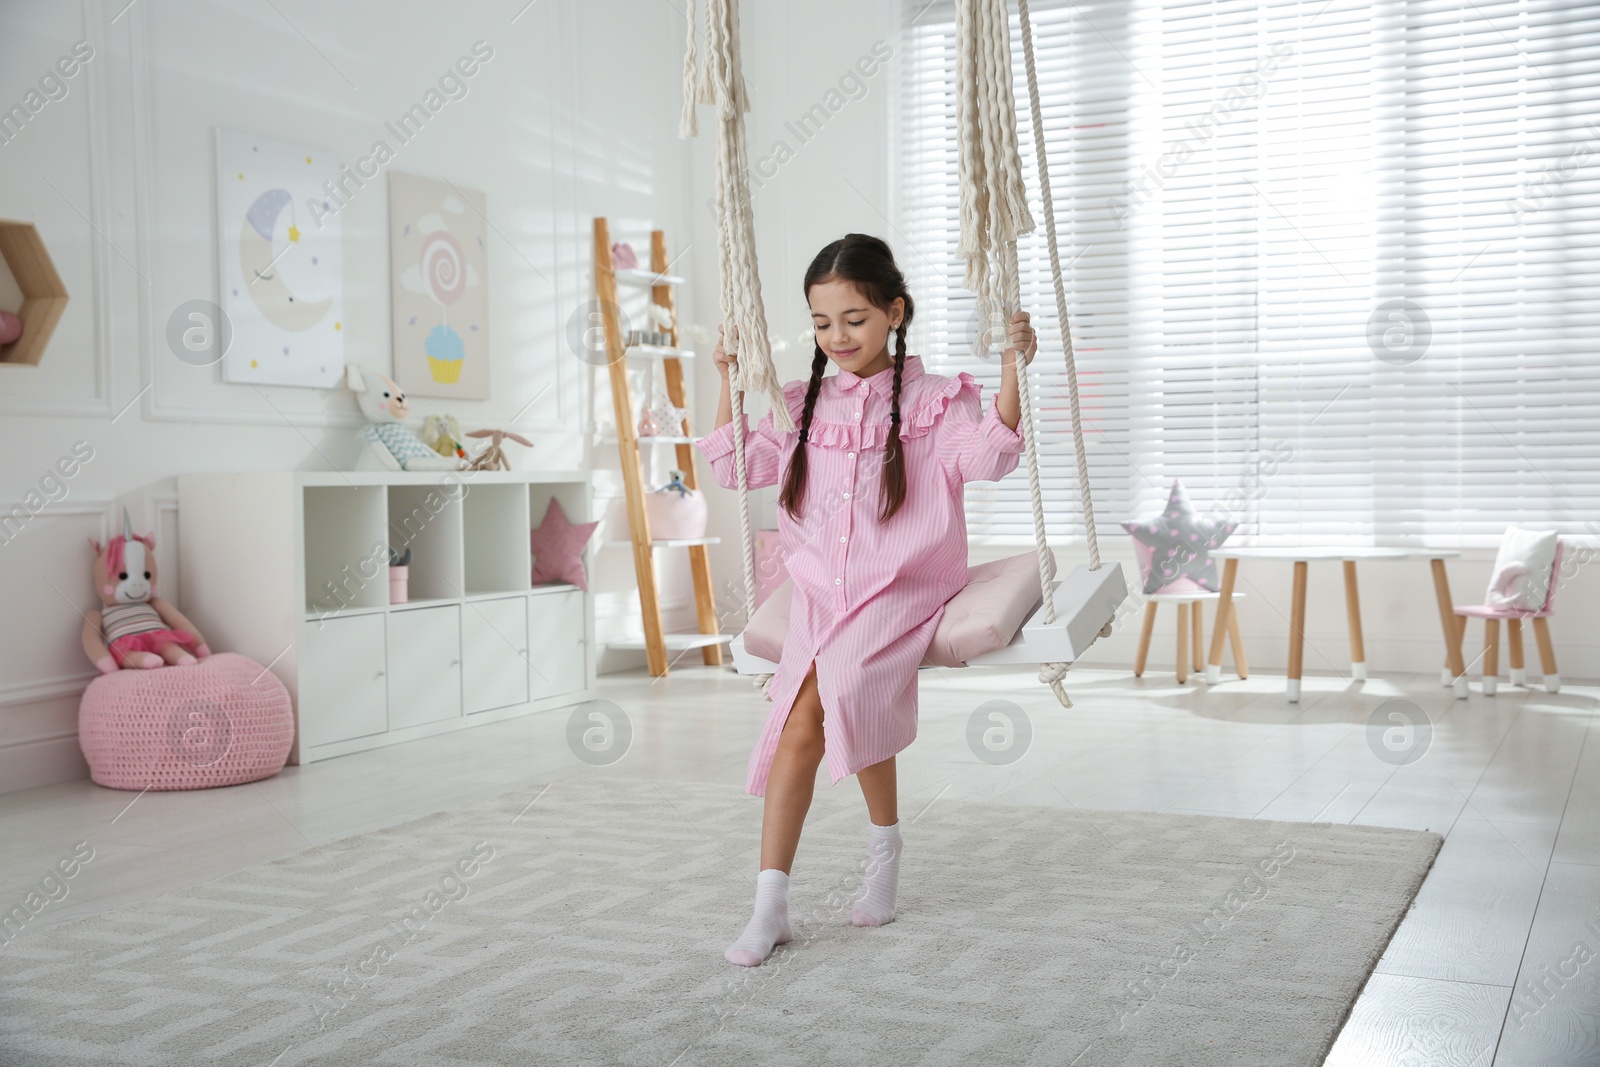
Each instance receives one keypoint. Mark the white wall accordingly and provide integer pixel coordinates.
(570, 118)
(576, 115)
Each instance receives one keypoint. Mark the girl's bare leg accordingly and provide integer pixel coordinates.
(879, 788)
(791, 780)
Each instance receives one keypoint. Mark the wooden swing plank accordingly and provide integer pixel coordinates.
(1085, 601)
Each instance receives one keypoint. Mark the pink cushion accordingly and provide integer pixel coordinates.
(558, 546)
(982, 617)
(1488, 611)
(221, 721)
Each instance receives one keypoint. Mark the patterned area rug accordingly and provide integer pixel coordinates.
(583, 923)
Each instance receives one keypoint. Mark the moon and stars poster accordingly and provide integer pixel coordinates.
(282, 270)
(439, 264)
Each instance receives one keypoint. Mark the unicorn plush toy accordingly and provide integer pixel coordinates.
(134, 627)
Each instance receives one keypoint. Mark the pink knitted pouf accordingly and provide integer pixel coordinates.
(222, 721)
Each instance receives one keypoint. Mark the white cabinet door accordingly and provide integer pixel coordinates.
(494, 653)
(343, 688)
(424, 665)
(557, 643)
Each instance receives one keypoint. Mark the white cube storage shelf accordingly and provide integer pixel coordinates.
(291, 569)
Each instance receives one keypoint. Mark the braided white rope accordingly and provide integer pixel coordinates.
(688, 124)
(1084, 493)
(994, 214)
(746, 535)
(742, 307)
(718, 81)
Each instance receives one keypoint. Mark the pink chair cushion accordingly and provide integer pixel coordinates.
(982, 617)
(1485, 611)
(222, 721)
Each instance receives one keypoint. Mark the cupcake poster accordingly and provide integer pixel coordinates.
(439, 262)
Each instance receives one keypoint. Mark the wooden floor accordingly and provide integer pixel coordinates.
(1512, 781)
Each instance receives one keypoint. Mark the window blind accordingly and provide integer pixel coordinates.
(1327, 261)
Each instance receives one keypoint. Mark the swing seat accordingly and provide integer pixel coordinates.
(992, 620)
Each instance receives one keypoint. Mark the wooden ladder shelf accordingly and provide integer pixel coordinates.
(657, 642)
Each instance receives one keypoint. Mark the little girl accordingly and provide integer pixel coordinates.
(875, 540)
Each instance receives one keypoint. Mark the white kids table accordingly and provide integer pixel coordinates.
(1302, 557)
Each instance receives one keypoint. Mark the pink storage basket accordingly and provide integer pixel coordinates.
(674, 515)
(222, 721)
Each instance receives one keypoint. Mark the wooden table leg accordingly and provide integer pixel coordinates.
(1144, 638)
(1240, 667)
(1183, 644)
(1230, 570)
(1197, 625)
(1519, 672)
(1352, 608)
(1452, 636)
(1491, 656)
(1297, 630)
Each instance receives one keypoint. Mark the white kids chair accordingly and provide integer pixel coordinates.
(1523, 587)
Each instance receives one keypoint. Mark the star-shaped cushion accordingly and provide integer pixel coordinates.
(1178, 545)
(558, 547)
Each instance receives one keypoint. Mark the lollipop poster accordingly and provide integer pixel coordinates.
(439, 263)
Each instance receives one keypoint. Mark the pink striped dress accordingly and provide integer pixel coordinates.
(868, 595)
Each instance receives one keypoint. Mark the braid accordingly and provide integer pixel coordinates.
(794, 483)
(899, 371)
(893, 490)
(819, 363)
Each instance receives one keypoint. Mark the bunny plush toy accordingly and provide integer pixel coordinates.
(134, 627)
(385, 406)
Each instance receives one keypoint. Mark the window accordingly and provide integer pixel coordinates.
(1331, 264)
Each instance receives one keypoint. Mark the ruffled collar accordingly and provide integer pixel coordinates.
(925, 408)
(881, 383)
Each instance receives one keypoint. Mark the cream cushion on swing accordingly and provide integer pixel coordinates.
(983, 617)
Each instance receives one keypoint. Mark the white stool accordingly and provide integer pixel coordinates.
(1191, 634)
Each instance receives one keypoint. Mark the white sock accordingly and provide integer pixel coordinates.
(769, 926)
(875, 905)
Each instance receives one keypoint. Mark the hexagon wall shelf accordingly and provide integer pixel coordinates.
(44, 298)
